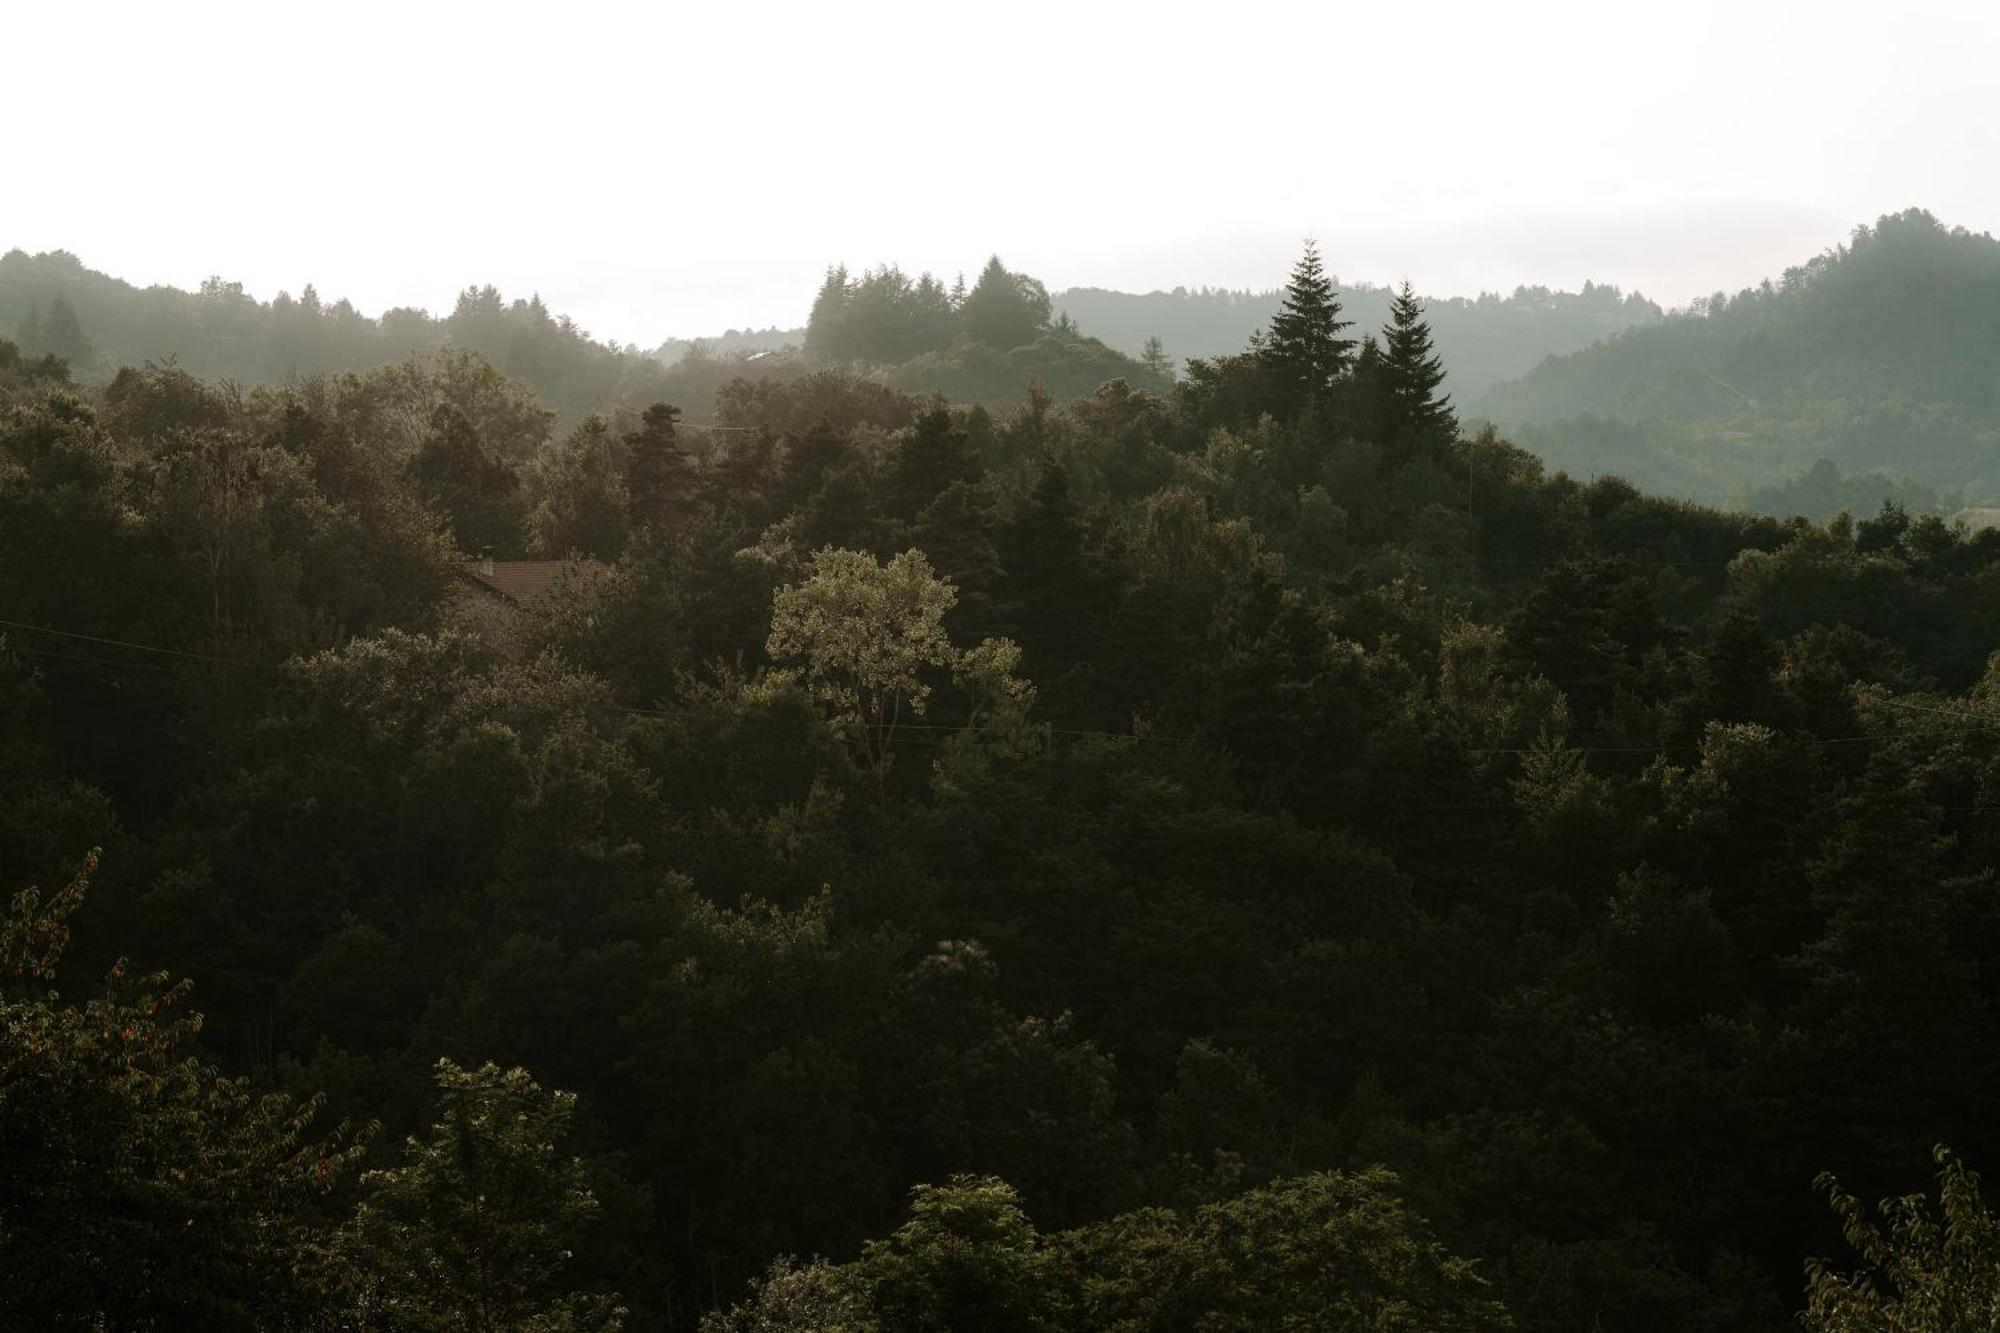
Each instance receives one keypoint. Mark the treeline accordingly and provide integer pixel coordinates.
(989, 345)
(983, 345)
(1882, 355)
(51, 303)
(1234, 857)
(1484, 339)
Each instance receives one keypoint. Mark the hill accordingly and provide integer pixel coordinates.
(53, 303)
(1882, 355)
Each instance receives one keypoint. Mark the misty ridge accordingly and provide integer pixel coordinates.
(1857, 377)
(998, 809)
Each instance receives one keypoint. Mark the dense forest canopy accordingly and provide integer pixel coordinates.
(1233, 854)
(1879, 357)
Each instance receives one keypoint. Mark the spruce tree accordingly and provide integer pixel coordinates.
(1304, 352)
(1156, 359)
(1411, 374)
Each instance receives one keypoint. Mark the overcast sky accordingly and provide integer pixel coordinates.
(664, 168)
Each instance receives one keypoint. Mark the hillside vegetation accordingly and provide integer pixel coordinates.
(1245, 856)
(1881, 356)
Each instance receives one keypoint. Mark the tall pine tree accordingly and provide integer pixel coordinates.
(1411, 373)
(1304, 353)
(659, 476)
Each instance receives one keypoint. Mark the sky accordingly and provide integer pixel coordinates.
(670, 169)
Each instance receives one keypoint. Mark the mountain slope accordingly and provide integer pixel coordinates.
(1881, 354)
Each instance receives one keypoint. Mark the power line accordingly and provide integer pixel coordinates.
(122, 643)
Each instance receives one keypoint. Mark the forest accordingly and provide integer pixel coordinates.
(490, 848)
(1875, 360)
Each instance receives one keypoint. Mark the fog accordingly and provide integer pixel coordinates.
(662, 170)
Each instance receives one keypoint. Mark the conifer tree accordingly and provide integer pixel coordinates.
(1411, 373)
(659, 477)
(1004, 309)
(1156, 360)
(826, 327)
(1304, 352)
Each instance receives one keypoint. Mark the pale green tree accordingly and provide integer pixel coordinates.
(866, 639)
(864, 634)
(1925, 1269)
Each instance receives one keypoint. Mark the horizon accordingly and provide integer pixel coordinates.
(1801, 232)
(660, 175)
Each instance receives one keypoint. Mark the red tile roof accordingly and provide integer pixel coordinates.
(527, 580)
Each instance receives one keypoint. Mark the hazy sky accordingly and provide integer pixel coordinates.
(665, 168)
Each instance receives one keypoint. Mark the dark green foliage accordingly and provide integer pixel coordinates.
(1321, 1253)
(1303, 352)
(1418, 416)
(1004, 309)
(476, 493)
(659, 477)
(143, 1188)
(1175, 805)
(478, 1225)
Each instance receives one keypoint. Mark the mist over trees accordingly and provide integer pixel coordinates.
(1484, 339)
(1880, 356)
(1234, 852)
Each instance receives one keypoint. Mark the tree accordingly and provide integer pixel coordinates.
(142, 1188)
(826, 327)
(63, 336)
(476, 1229)
(465, 484)
(659, 476)
(1155, 359)
(1925, 1271)
(1411, 373)
(865, 634)
(578, 497)
(29, 332)
(1304, 352)
(932, 455)
(967, 1258)
(1004, 309)
(1325, 1253)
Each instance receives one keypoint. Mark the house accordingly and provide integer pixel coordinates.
(527, 582)
(496, 600)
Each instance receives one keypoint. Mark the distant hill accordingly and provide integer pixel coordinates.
(1878, 357)
(221, 332)
(732, 342)
(52, 302)
(1483, 339)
